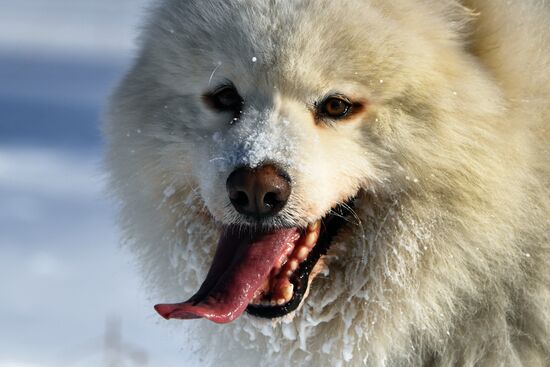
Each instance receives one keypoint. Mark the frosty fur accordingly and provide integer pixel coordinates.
(447, 261)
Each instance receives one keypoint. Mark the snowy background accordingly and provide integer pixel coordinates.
(69, 296)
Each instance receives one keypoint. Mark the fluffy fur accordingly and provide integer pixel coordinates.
(447, 261)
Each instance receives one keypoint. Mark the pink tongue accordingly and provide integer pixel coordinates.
(239, 268)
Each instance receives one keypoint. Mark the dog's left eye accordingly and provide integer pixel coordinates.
(224, 99)
(335, 107)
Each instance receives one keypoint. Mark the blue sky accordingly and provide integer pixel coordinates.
(62, 272)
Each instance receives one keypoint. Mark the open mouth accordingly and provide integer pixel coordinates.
(266, 274)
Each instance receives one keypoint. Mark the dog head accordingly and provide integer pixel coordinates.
(277, 116)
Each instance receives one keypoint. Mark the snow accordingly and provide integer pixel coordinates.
(11, 363)
(257, 138)
(93, 27)
(59, 246)
(169, 191)
(62, 269)
(20, 169)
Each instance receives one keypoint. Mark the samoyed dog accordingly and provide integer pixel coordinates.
(355, 182)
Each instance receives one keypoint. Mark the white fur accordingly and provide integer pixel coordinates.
(447, 262)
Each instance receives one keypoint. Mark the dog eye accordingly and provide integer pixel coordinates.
(335, 107)
(224, 99)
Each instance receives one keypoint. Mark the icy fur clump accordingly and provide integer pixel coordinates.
(258, 137)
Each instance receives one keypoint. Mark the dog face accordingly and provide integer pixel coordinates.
(278, 117)
(282, 85)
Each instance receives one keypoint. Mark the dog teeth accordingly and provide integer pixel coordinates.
(302, 253)
(314, 227)
(287, 292)
(311, 239)
(278, 289)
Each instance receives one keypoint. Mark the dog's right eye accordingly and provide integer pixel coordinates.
(224, 99)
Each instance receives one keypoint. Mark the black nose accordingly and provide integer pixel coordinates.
(258, 192)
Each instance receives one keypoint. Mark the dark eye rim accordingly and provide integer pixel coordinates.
(322, 107)
(212, 100)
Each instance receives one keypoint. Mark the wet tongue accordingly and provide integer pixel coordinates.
(241, 263)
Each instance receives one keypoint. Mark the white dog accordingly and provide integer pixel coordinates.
(367, 180)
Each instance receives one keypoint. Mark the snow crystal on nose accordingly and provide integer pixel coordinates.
(256, 138)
